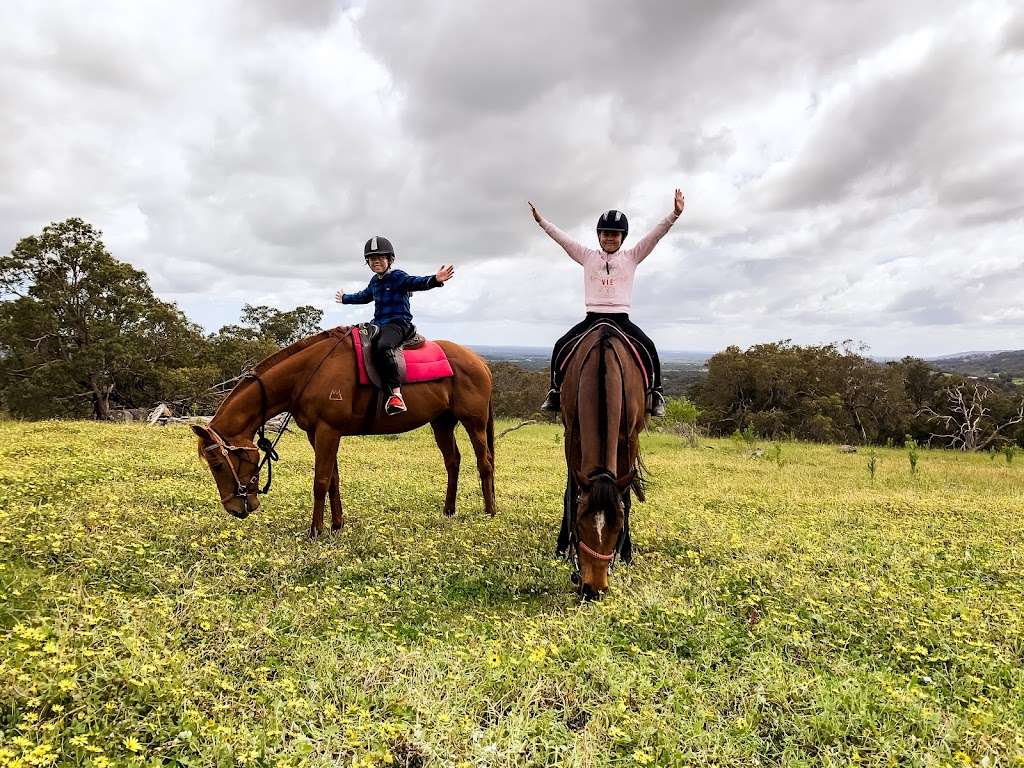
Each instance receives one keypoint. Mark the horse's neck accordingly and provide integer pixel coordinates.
(243, 412)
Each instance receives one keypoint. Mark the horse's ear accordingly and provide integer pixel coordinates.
(582, 481)
(624, 482)
(202, 431)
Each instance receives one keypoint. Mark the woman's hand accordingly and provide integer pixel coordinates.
(445, 273)
(338, 297)
(680, 201)
(536, 216)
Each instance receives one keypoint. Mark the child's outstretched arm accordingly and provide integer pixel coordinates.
(646, 244)
(364, 296)
(575, 249)
(412, 283)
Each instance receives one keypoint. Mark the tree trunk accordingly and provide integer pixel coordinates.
(101, 399)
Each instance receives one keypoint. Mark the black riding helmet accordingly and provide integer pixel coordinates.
(613, 221)
(379, 246)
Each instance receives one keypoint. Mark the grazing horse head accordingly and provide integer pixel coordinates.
(600, 521)
(235, 468)
(603, 399)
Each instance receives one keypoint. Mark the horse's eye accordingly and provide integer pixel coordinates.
(216, 466)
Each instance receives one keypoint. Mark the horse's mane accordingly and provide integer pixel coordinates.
(269, 362)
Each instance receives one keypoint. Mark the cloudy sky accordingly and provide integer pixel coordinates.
(852, 170)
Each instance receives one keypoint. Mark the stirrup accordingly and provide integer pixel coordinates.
(553, 402)
(657, 403)
(395, 406)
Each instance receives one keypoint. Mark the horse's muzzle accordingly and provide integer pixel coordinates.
(589, 593)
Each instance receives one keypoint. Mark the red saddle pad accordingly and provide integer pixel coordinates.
(425, 363)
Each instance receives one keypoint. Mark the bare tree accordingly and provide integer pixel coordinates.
(969, 425)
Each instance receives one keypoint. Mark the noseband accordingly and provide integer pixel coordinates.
(242, 490)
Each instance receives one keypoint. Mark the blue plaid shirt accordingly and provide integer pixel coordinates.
(390, 294)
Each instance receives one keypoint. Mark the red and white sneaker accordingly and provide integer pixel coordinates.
(395, 406)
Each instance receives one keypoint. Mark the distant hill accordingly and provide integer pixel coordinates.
(970, 355)
(1007, 365)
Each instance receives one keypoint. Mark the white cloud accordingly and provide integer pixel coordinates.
(851, 170)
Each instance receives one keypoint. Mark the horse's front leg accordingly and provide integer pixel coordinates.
(325, 474)
(444, 436)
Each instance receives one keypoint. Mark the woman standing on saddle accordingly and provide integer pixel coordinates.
(608, 287)
(389, 291)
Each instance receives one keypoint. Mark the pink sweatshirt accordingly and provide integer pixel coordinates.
(608, 277)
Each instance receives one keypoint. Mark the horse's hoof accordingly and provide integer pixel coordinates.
(449, 512)
(313, 533)
(337, 527)
(575, 578)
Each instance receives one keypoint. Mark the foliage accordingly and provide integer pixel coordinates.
(680, 418)
(802, 618)
(973, 419)
(80, 331)
(833, 393)
(518, 392)
(912, 454)
(282, 328)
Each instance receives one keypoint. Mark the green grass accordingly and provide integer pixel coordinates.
(784, 610)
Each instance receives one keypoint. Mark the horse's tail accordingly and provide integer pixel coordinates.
(490, 427)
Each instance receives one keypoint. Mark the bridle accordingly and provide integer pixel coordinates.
(576, 543)
(242, 490)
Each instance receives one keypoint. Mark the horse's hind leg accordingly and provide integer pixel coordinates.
(334, 494)
(483, 447)
(444, 435)
(568, 500)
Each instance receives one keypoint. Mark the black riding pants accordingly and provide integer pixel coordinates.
(388, 346)
(621, 319)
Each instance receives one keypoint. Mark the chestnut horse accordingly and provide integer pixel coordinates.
(316, 380)
(603, 411)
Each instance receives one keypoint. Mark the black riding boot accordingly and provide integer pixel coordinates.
(657, 401)
(553, 402)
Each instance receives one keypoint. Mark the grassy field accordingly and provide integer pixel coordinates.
(783, 610)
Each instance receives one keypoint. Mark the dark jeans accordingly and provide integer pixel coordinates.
(388, 345)
(620, 319)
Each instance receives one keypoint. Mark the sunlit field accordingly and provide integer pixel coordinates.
(787, 609)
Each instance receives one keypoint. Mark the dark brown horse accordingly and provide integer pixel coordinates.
(603, 410)
(316, 381)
